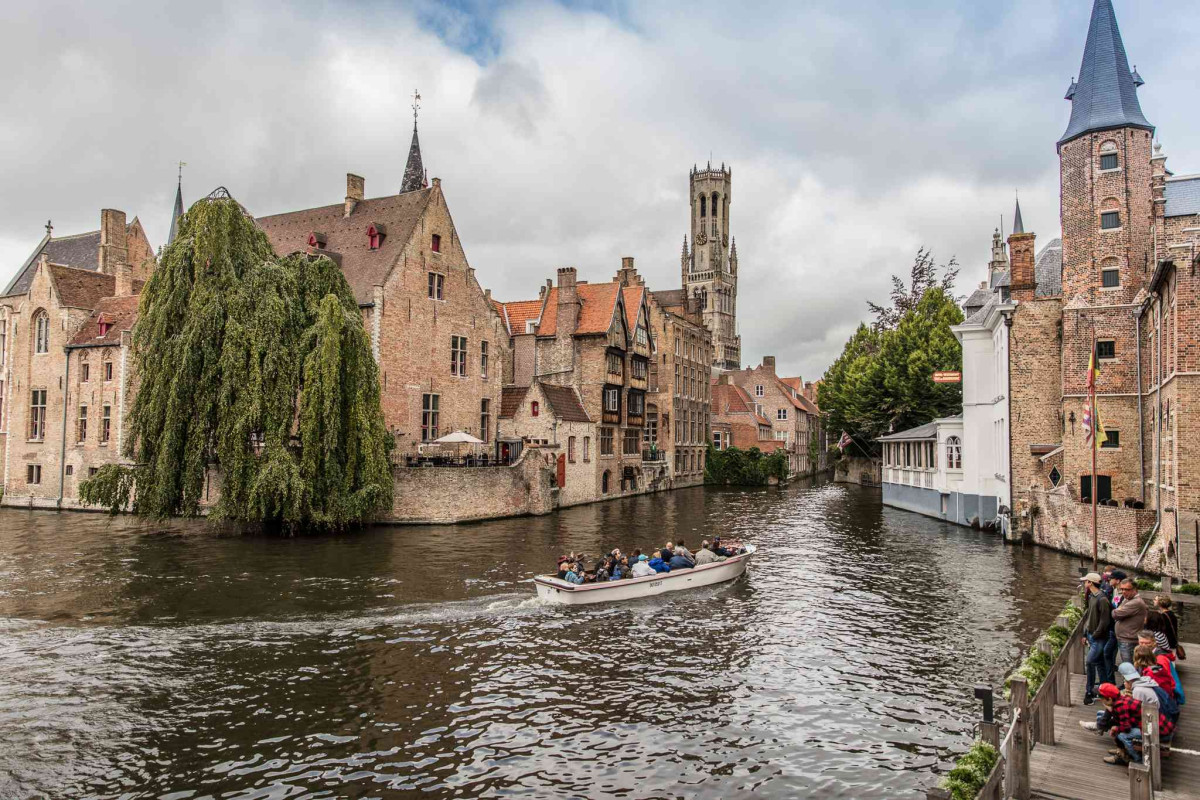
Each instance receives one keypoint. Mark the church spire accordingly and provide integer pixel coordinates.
(1018, 223)
(177, 212)
(414, 171)
(1105, 97)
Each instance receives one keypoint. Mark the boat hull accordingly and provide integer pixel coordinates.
(553, 590)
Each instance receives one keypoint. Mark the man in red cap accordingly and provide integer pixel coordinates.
(1126, 727)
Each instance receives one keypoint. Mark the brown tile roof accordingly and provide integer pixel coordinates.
(81, 288)
(669, 297)
(517, 313)
(81, 251)
(729, 398)
(120, 312)
(599, 301)
(795, 383)
(364, 268)
(510, 400)
(565, 403)
(633, 302)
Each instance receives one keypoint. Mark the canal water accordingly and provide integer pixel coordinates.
(174, 661)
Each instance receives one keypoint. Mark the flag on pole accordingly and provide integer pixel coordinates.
(845, 441)
(1093, 425)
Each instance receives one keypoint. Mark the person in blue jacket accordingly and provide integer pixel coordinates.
(657, 564)
(574, 574)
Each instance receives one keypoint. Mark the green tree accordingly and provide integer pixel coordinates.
(257, 369)
(883, 380)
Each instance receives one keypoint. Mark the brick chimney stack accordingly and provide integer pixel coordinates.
(114, 250)
(628, 275)
(567, 319)
(1023, 282)
(769, 363)
(356, 187)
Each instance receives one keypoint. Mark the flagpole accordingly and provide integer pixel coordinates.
(1095, 440)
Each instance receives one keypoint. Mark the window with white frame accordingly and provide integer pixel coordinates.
(37, 415)
(458, 356)
(41, 327)
(781, 415)
(758, 391)
(429, 417)
(953, 453)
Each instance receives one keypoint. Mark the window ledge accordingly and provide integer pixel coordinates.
(1111, 230)
(1112, 171)
(1111, 288)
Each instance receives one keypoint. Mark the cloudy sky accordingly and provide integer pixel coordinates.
(563, 132)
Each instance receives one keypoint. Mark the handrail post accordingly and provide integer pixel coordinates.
(1045, 717)
(1062, 678)
(1150, 748)
(989, 732)
(1017, 782)
(1166, 585)
(1139, 782)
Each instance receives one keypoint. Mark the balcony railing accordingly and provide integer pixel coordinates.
(654, 455)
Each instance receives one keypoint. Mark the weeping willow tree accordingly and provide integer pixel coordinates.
(254, 369)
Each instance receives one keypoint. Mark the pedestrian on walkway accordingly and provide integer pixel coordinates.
(1128, 619)
(1097, 623)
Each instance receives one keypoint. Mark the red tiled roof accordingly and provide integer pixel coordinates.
(565, 403)
(729, 398)
(364, 268)
(517, 313)
(633, 302)
(598, 301)
(121, 314)
(795, 383)
(510, 400)
(81, 288)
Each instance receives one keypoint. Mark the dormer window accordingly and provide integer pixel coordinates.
(317, 240)
(376, 233)
(104, 326)
(435, 243)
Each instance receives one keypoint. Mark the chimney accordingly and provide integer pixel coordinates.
(567, 319)
(1023, 282)
(355, 192)
(627, 276)
(113, 247)
(769, 363)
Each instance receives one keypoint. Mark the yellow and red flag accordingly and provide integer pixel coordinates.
(1092, 423)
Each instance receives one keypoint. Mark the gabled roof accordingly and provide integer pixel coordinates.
(1105, 96)
(81, 251)
(977, 300)
(598, 306)
(363, 267)
(510, 400)
(926, 431)
(80, 288)
(1183, 196)
(633, 304)
(517, 313)
(120, 312)
(729, 398)
(565, 403)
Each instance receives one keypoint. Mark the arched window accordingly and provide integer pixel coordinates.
(41, 328)
(716, 205)
(703, 206)
(953, 453)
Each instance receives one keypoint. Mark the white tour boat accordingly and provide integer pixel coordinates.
(553, 590)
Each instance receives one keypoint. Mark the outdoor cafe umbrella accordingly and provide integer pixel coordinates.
(458, 437)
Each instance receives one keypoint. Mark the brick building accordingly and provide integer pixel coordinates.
(737, 421)
(795, 420)
(65, 322)
(709, 267)
(678, 418)
(592, 340)
(440, 344)
(1128, 289)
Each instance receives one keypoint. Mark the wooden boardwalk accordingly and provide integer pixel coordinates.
(1073, 768)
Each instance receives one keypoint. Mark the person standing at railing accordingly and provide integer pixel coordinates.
(1097, 623)
(1128, 619)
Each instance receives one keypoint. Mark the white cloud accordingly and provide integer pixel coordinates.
(857, 132)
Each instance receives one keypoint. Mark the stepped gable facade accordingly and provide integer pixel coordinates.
(1123, 278)
(440, 342)
(65, 367)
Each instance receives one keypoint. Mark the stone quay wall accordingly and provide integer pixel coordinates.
(446, 495)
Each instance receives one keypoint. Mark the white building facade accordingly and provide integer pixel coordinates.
(924, 470)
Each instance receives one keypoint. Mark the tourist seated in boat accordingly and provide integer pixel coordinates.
(620, 569)
(667, 552)
(681, 550)
(706, 554)
(680, 561)
(564, 566)
(642, 568)
(574, 574)
(657, 563)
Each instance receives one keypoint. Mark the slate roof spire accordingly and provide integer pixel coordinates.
(1105, 95)
(1018, 223)
(177, 212)
(414, 170)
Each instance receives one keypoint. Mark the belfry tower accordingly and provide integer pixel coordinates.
(709, 266)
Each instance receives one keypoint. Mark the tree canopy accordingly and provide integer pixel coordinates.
(883, 380)
(254, 370)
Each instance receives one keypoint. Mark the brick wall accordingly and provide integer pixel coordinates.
(449, 494)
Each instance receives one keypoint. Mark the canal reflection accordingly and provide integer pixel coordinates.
(142, 660)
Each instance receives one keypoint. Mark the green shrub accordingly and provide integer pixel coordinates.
(735, 467)
(1147, 585)
(1189, 588)
(971, 771)
(1057, 636)
(1034, 667)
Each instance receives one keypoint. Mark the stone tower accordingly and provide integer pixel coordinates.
(709, 266)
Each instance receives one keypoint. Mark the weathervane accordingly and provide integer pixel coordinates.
(49, 227)
(182, 164)
(416, 106)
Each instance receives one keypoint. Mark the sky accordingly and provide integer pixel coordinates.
(563, 132)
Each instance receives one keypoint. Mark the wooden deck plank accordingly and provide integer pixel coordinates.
(1074, 768)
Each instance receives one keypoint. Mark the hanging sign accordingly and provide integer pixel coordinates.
(947, 377)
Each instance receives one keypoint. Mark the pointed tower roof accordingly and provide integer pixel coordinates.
(1105, 96)
(414, 170)
(1018, 223)
(176, 212)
